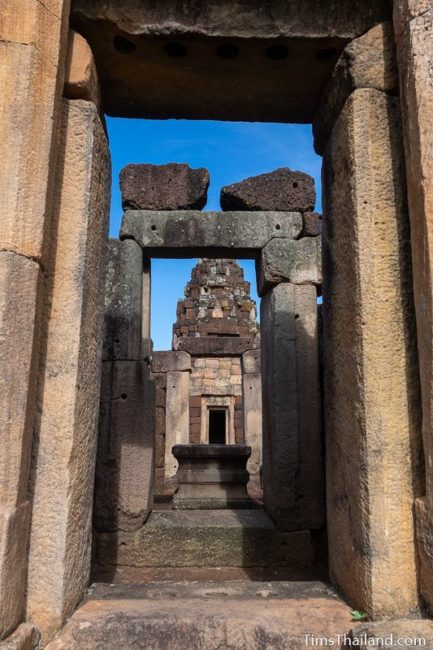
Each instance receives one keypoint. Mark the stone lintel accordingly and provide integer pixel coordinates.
(284, 260)
(192, 233)
(217, 346)
(170, 360)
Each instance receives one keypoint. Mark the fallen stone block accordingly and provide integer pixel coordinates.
(281, 190)
(163, 187)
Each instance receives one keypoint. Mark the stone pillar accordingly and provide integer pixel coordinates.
(252, 411)
(177, 420)
(66, 429)
(32, 50)
(414, 39)
(371, 376)
(125, 458)
(292, 469)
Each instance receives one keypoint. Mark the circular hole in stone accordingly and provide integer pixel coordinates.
(123, 45)
(153, 227)
(124, 396)
(227, 51)
(176, 50)
(296, 316)
(326, 54)
(277, 227)
(277, 52)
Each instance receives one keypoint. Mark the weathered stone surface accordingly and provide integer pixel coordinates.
(25, 637)
(164, 187)
(170, 360)
(211, 477)
(292, 463)
(66, 431)
(206, 538)
(81, 77)
(367, 62)
(312, 224)
(251, 361)
(414, 51)
(207, 234)
(21, 282)
(393, 634)
(146, 298)
(281, 190)
(285, 260)
(148, 56)
(371, 374)
(198, 615)
(424, 536)
(32, 42)
(217, 346)
(252, 412)
(123, 301)
(126, 447)
(177, 420)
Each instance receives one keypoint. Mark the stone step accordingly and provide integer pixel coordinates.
(239, 615)
(228, 538)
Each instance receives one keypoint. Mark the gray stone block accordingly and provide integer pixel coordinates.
(170, 360)
(123, 301)
(206, 538)
(285, 260)
(251, 361)
(126, 447)
(207, 234)
(292, 463)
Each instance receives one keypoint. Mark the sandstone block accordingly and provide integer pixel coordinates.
(164, 187)
(21, 282)
(25, 637)
(177, 420)
(170, 360)
(216, 346)
(397, 633)
(424, 536)
(251, 361)
(81, 77)
(292, 463)
(66, 430)
(282, 190)
(32, 42)
(207, 234)
(252, 419)
(415, 59)
(367, 62)
(126, 447)
(123, 301)
(284, 260)
(371, 400)
(312, 224)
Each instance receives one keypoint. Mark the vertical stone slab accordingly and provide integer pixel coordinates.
(252, 410)
(291, 419)
(123, 301)
(145, 318)
(66, 431)
(21, 282)
(371, 376)
(414, 38)
(177, 420)
(126, 447)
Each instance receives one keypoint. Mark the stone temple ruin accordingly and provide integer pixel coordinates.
(89, 411)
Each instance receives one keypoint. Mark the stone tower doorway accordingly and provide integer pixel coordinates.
(217, 425)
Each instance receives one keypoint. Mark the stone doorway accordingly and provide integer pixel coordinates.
(217, 425)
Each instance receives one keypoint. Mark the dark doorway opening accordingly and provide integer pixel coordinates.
(217, 426)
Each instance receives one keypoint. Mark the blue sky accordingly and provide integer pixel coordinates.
(231, 151)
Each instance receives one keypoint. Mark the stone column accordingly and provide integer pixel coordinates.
(414, 38)
(177, 420)
(292, 469)
(66, 430)
(32, 52)
(371, 375)
(252, 411)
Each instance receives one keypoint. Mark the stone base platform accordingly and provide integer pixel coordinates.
(195, 538)
(204, 616)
